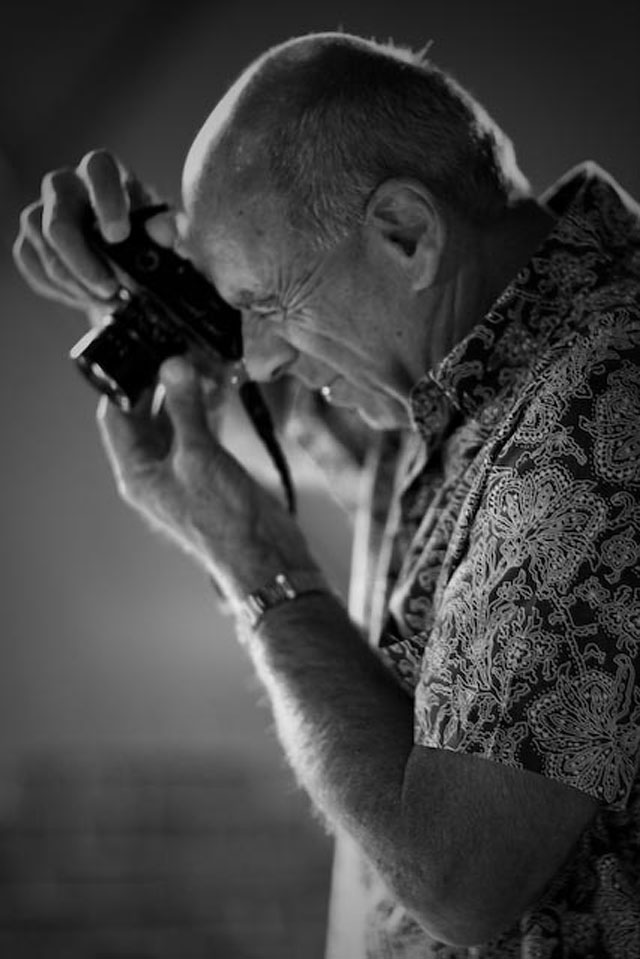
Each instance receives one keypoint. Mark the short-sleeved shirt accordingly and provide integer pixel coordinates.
(506, 593)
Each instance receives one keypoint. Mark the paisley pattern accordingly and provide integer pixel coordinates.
(510, 568)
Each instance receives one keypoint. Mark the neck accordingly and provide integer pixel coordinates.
(476, 268)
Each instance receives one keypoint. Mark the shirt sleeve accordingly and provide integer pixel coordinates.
(534, 658)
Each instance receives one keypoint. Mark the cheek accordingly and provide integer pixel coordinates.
(341, 334)
(329, 353)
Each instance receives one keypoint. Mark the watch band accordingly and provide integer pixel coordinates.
(281, 589)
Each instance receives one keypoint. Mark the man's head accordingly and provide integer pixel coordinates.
(325, 194)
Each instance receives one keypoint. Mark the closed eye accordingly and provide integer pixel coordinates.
(272, 311)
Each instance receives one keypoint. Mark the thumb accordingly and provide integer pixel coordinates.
(162, 228)
(184, 403)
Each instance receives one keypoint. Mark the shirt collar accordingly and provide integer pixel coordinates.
(593, 236)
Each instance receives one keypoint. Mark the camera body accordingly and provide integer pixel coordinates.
(167, 307)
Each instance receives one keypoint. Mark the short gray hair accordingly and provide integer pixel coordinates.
(341, 114)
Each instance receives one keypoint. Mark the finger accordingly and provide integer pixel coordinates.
(29, 264)
(136, 445)
(114, 192)
(162, 228)
(104, 179)
(139, 194)
(53, 277)
(153, 423)
(185, 405)
(116, 442)
(66, 206)
(31, 244)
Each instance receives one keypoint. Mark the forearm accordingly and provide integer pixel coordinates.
(345, 725)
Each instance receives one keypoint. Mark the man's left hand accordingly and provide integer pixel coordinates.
(170, 467)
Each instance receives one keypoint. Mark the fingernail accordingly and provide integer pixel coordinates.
(115, 232)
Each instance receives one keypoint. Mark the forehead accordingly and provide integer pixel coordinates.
(242, 246)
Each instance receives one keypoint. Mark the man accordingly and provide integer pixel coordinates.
(478, 756)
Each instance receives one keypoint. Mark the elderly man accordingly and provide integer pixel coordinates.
(470, 728)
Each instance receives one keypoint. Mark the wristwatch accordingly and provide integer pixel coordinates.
(283, 588)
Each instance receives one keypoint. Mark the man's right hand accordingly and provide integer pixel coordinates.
(52, 251)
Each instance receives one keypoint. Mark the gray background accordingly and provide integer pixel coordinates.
(110, 636)
(126, 708)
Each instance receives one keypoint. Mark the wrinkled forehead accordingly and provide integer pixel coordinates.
(226, 198)
(236, 245)
(233, 223)
(236, 223)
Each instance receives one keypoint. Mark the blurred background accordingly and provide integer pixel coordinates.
(144, 807)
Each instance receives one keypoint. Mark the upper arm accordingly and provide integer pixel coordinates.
(483, 840)
(527, 701)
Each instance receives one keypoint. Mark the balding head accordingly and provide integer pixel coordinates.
(317, 123)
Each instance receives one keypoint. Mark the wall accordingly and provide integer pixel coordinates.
(110, 636)
(111, 644)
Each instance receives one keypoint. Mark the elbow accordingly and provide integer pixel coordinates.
(463, 929)
(452, 913)
(457, 927)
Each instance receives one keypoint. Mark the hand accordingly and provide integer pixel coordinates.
(51, 250)
(171, 468)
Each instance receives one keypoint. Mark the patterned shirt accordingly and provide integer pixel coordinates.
(506, 595)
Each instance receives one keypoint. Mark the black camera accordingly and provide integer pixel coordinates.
(166, 307)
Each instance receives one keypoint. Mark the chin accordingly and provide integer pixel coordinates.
(377, 409)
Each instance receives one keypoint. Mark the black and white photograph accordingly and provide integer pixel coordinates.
(320, 486)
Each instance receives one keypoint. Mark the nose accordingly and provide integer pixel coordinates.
(266, 354)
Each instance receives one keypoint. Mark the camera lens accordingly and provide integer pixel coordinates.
(116, 362)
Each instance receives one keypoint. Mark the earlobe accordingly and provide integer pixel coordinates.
(406, 222)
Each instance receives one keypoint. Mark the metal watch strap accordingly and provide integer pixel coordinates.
(281, 589)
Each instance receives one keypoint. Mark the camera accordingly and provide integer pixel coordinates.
(165, 307)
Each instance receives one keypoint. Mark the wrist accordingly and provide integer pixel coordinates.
(282, 588)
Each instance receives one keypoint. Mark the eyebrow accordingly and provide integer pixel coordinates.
(244, 298)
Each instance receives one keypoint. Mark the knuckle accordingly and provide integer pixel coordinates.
(189, 460)
(31, 218)
(22, 266)
(101, 411)
(136, 484)
(17, 250)
(183, 465)
(128, 489)
(56, 180)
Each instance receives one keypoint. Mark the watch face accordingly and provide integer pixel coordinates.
(279, 590)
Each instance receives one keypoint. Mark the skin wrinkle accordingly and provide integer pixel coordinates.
(329, 300)
(426, 817)
(342, 307)
(295, 277)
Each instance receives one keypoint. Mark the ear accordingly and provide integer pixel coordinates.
(405, 223)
